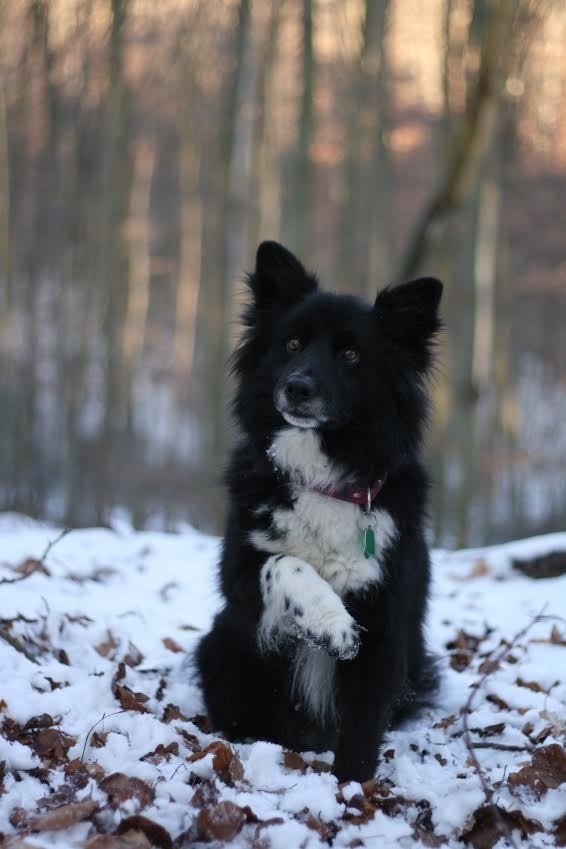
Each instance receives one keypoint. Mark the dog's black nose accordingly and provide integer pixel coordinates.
(299, 388)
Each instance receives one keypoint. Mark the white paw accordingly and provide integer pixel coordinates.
(298, 601)
(329, 627)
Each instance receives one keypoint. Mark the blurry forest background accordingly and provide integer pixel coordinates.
(147, 147)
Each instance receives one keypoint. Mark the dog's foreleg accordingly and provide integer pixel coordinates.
(367, 688)
(298, 601)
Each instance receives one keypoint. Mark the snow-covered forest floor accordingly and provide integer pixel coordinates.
(103, 742)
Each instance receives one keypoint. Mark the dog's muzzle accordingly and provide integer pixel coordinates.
(299, 402)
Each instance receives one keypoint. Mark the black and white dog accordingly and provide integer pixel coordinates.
(325, 569)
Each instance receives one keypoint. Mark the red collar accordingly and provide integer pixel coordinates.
(362, 495)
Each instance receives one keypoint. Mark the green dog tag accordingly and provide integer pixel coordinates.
(369, 542)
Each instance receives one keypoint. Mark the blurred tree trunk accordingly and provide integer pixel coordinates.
(6, 301)
(429, 251)
(190, 157)
(266, 182)
(188, 287)
(366, 211)
(454, 46)
(139, 242)
(470, 144)
(226, 260)
(302, 218)
(81, 199)
(464, 390)
(6, 297)
(241, 148)
(31, 248)
(114, 247)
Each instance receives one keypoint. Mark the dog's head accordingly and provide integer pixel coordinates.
(357, 373)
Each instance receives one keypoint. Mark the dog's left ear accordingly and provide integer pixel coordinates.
(409, 314)
(279, 278)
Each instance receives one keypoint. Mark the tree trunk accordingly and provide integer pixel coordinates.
(266, 186)
(365, 215)
(302, 230)
(470, 145)
(115, 271)
(188, 287)
(139, 242)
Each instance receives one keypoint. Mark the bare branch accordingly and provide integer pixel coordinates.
(40, 560)
(493, 663)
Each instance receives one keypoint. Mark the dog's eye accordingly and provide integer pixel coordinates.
(293, 344)
(351, 355)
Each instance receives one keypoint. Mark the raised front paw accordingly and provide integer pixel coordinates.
(334, 632)
(298, 601)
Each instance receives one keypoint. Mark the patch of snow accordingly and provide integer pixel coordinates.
(145, 598)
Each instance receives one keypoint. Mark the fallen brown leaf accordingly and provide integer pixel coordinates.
(206, 794)
(172, 712)
(64, 816)
(18, 817)
(220, 822)
(129, 840)
(202, 723)
(547, 770)
(191, 741)
(534, 686)
(462, 648)
(488, 666)
(31, 565)
(292, 760)
(108, 646)
(161, 753)
(446, 721)
(497, 700)
(325, 831)
(120, 788)
(133, 656)
(50, 744)
(490, 730)
(79, 774)
(44, 720)
(98, 739)
(172, 645)
(155, 833)
(319, 767)
(130, 700)
(225, 761)
(490, 822)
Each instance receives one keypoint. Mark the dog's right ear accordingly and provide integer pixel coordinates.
(279, 278)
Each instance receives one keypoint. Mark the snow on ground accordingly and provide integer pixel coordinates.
(103, 743)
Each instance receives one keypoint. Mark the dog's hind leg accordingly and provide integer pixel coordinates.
(246, 693)
(249, 694)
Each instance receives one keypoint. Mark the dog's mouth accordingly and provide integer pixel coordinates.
(300, 421)
(306, 414)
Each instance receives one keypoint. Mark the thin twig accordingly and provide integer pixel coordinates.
(40, 560)
(15, 580)
(89, 732)
(4, 634)
(53, 543)
(491, 666)
(177, 770)
(502, 747)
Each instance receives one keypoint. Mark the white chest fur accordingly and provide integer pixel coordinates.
(323, 531)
